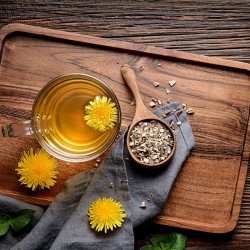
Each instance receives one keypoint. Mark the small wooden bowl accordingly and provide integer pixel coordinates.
(154, 165)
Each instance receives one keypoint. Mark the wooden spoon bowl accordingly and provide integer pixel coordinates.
(144, 116)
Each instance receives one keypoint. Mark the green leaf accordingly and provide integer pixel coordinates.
(16, 220)
(170, 241)
(4, 224)
(21, 219)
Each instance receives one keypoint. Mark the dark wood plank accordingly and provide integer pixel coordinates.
(215, 28)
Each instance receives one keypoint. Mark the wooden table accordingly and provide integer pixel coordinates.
(213, 28)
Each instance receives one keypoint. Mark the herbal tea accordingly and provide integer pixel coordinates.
(59, 118)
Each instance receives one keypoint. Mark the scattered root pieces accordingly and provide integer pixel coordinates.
(184, 106)
(141, 68)
(178, 123)
(171, 124)
(156, 84)
(152, 104)
(178, 112)
(190, 111)
(165, 113)
(154, 101)
(143, 204)
(167, 90)
(97, 162)
(119, 135)
(151, 142)
(172, 83)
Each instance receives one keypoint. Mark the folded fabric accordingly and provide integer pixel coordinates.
(65, 224)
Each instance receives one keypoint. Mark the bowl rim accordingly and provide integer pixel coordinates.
(59, 153)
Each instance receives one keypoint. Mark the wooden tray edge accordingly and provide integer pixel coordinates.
(12, 28)
(225, 227)
(26, 198)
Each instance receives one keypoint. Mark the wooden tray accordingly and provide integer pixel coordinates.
(207, 193)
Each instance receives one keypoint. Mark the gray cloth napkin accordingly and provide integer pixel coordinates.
(65, 224)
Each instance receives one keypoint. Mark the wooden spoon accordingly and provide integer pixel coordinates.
(143, 114)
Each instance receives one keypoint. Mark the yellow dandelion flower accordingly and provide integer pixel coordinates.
(101, 114)
(37, 169)
(105, 214)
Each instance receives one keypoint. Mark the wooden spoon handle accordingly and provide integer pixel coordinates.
(131, 80)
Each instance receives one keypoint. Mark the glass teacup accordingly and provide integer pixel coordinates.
(57, 119)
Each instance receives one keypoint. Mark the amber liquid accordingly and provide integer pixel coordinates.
(59, 113)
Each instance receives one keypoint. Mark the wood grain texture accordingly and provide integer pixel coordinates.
(211, 182)
(214, 28)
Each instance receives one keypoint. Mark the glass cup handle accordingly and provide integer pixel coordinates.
(17, 129)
